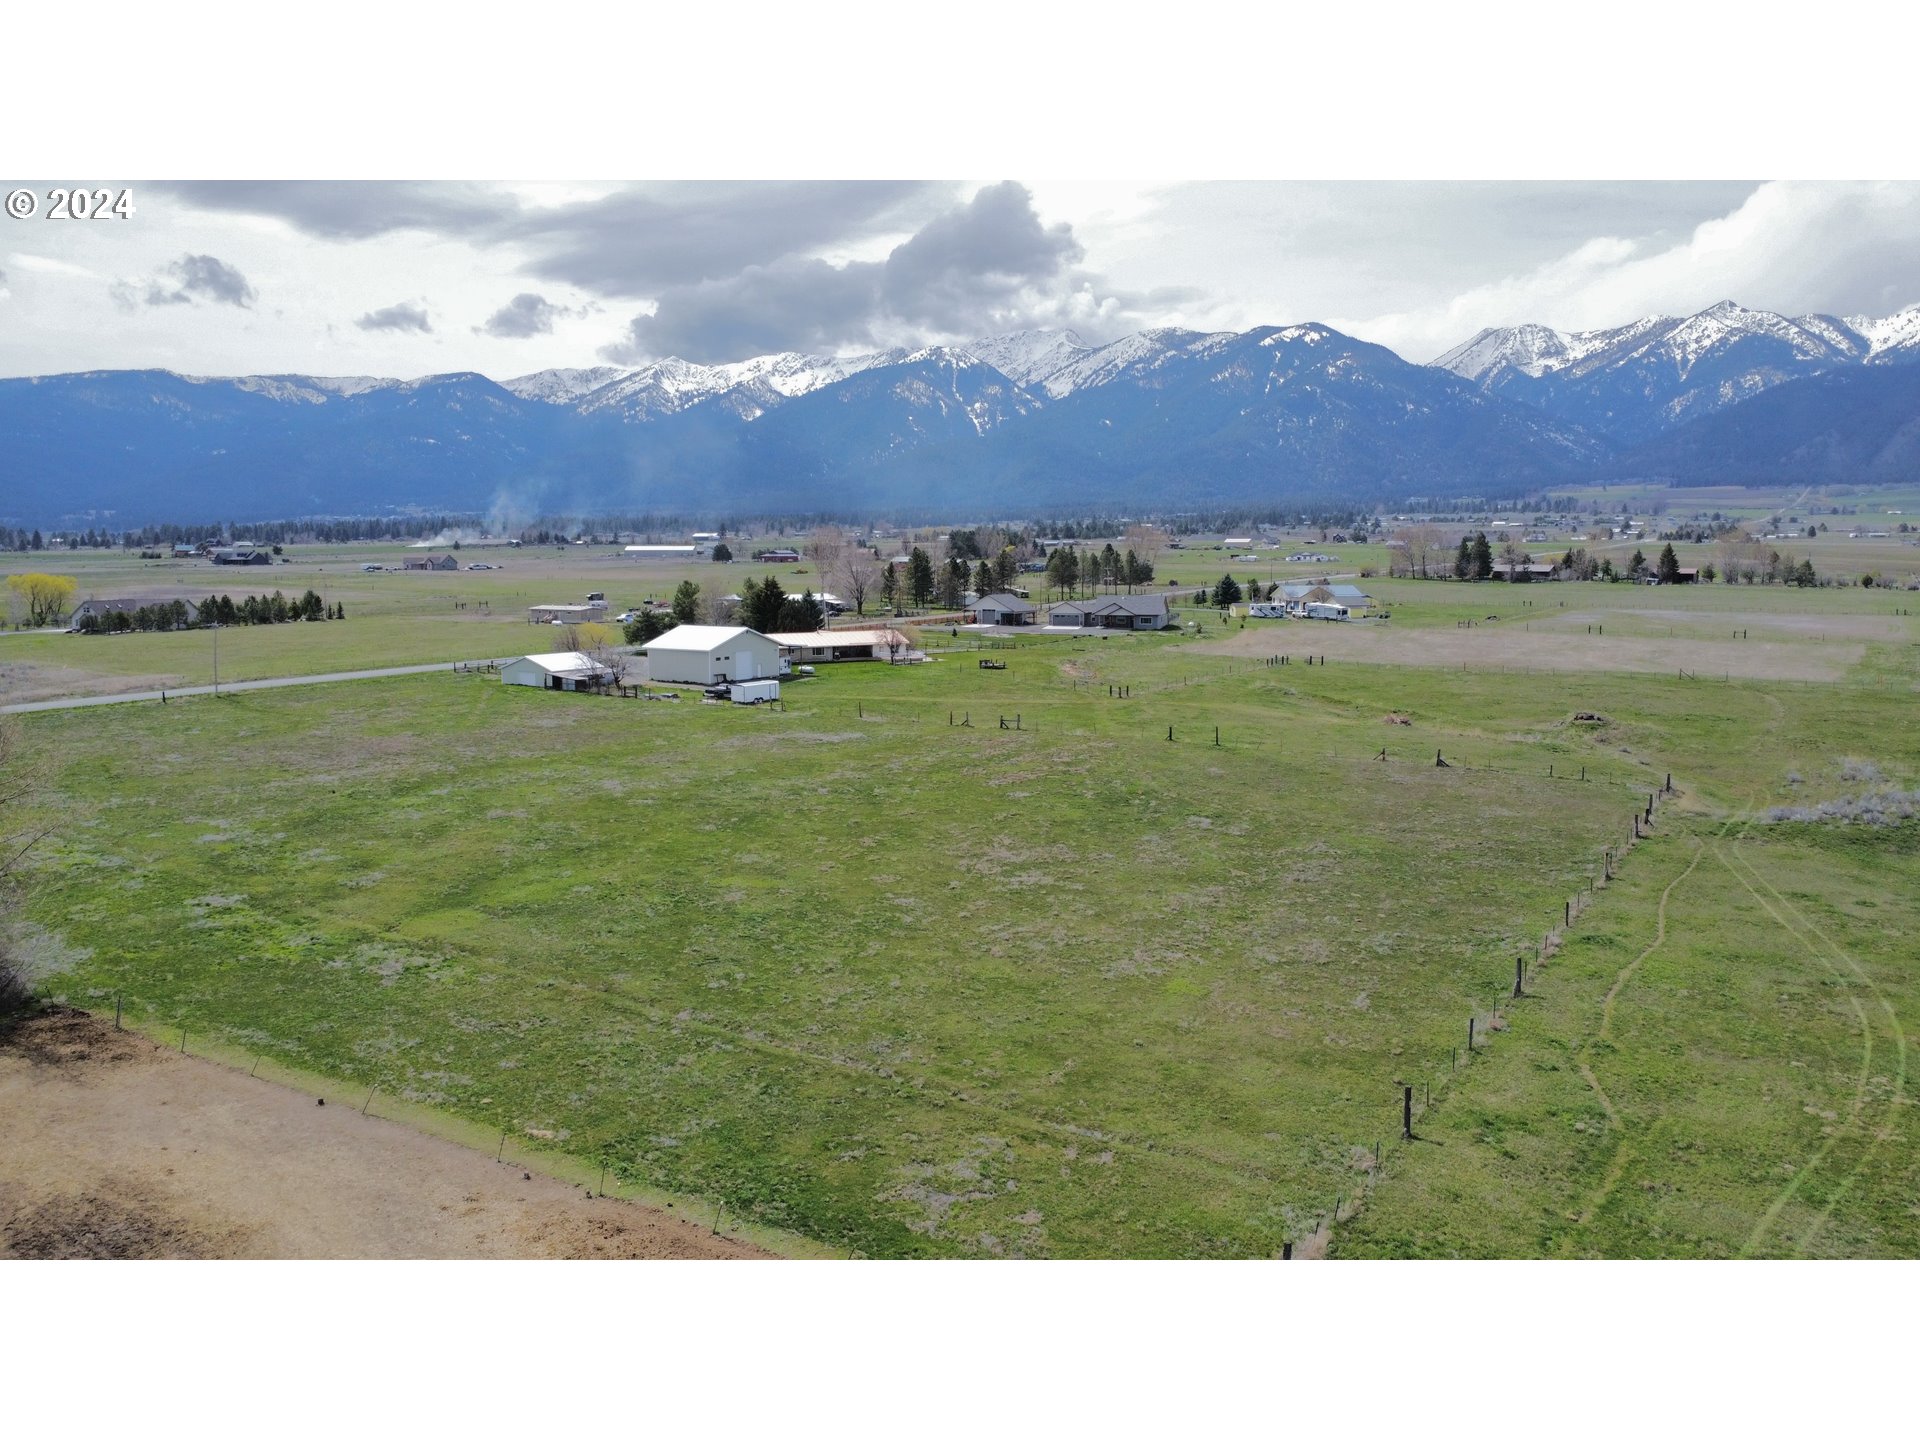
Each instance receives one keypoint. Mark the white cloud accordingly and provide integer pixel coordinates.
(1791, 246)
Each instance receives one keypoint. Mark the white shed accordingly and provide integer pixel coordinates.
(562, 670)
(704, 654)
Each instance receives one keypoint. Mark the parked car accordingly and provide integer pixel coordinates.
(479, 567)
(372, 567)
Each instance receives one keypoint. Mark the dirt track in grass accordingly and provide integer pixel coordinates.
(114, 1148)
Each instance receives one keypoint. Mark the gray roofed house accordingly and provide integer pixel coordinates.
(1112, 612)
(1001, 608)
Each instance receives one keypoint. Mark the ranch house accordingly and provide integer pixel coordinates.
(1112, 612)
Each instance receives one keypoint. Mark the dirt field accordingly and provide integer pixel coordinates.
(113, 1148)
(1509, 645)
(24, 681)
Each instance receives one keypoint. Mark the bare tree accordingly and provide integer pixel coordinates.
(860, 572)
(828, 550)
(1421, 555)
(1146, 541)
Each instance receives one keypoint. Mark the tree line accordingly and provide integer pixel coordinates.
(274, 609)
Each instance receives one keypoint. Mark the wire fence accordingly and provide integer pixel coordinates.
(1417, 1092)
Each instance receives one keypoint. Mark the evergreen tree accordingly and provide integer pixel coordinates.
(760, 605)
(1006, 566)
(920, 581)
(953, 583)
(1482, 554)
(890, 587)
(983, 579)
(1227, 592)
(721, 553)
(1637, 566)
(647, 625)
(1669, 566)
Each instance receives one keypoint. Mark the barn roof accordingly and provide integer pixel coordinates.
(700, 637)
(566, 662)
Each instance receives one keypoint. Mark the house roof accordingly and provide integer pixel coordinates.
(1002, 600)
(566, 662)
(1348, 592)
(1118, 605)
(823, 639)
(700, 637)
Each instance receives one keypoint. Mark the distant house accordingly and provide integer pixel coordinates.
(1503, 570)
(127, 607)
(562, 670)
(184, 552)
(567, 614)
(1112, 612)
(704, 654)
(1309, 557)
(1298, 595)
(1000, 608)
(827, 647)
(665, 552)
(778, 557)
(242, 555)
(431, 562)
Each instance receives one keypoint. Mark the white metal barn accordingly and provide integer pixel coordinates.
(562, 670)
(704, 654)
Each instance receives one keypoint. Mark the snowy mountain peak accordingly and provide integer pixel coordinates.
(562, 387)
(1895, 337)
(1029, 358)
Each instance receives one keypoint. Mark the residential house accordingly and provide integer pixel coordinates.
(1112, 612)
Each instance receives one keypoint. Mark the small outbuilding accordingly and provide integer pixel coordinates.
(562, 670)
(707, 654)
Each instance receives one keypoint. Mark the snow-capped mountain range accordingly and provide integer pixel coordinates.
(1036, 419)
(1639, 380)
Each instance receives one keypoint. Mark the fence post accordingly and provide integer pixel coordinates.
(116, 1009)
(1469, 1034)
(1406, 1114)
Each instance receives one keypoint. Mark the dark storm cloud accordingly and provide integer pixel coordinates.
(636, 243)
(354, 209)
(211, 279)
(397, 317)
(523, 316)
(630, 244)
(961, 263)
(183, 281)
(966, 270)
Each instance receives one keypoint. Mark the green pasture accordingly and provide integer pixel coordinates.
(874, 969)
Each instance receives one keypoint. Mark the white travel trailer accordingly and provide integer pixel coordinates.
(1322, 610)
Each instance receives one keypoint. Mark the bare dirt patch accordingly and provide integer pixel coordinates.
(112, 1147)
(23, 681)
(1512, 647)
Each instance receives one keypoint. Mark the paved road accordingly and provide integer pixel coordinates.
(77, 701)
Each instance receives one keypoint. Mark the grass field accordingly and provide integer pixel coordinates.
(917, 988)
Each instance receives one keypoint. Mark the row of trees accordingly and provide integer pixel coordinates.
(274, 609)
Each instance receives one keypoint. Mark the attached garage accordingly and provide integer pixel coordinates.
(706, 654)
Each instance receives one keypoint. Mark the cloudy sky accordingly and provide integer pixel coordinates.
(403, 278)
